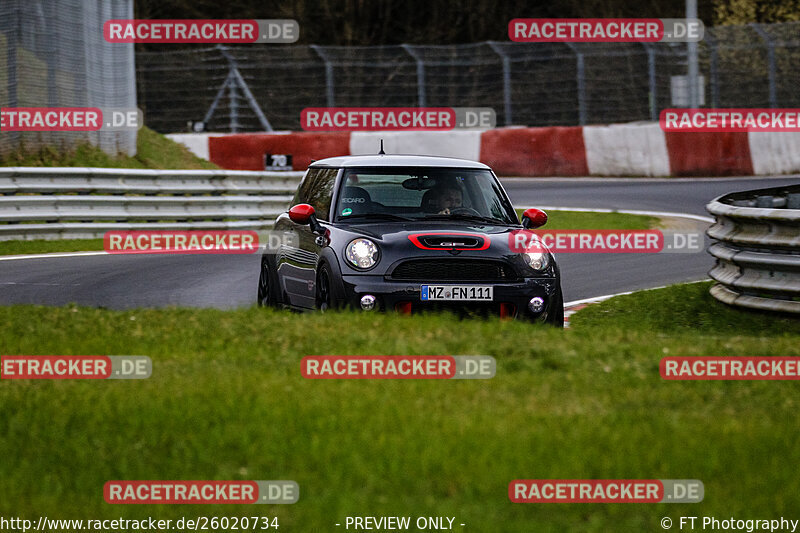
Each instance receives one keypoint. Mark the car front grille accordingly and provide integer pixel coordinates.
(453, 270)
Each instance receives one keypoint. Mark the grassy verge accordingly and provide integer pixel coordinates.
(153, 151)
(226, 401)
(43, 247)
(575, 220)
(557, 220)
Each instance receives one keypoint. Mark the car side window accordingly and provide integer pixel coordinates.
(303, 191)
(320, 190)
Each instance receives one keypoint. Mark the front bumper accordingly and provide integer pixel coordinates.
(510, 299)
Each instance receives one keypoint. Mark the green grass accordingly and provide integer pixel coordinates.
(43, 247)
(684, 309)
(575, 220)
(153, 151)
(226, 401)
(557, 220)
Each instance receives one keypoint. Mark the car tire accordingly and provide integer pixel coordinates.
(324, 288)
(267, 285)
(556, 316)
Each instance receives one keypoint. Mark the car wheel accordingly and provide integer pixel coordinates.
(267, 286)
(556, 316)
(324, 296)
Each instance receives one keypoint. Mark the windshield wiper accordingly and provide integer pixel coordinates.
(378, 216)
(464, 216)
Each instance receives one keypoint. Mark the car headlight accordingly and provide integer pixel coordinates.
(537, 260)
(362, 253)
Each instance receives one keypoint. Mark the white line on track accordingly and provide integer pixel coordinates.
(50, 256)
(625, 211)
(587, 179)
(596, 299)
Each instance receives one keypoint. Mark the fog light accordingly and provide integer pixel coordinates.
(368, 302)
(536, 305)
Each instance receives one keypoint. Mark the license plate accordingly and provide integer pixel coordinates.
(463, 293)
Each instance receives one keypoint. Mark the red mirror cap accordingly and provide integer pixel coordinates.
(537, 217)
(301, 213)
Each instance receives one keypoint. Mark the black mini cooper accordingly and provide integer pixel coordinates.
(409, 233)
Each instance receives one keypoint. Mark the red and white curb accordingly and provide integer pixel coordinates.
(633, 149)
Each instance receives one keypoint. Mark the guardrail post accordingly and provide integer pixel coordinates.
(506, 81)
(329, 92)
(420, 74)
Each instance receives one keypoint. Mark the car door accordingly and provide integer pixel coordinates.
(297, 267)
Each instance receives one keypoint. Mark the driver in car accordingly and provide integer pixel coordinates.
(447, 198)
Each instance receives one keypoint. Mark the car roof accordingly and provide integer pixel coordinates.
(396, 161)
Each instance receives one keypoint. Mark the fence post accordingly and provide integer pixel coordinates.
(506, 81)
(234, 105)
(692, 71)
(581, 78)
(773, 97)
(651, 78)
(713, 61)
(420, 74)
(328, 74)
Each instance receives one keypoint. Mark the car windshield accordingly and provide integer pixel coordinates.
(422, 194)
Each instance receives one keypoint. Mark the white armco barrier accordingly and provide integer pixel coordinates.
(53, 203)
(758, 249)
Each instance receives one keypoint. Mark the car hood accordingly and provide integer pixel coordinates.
(391, 231)
(406, 240)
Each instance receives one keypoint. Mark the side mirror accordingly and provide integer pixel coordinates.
(533, 218)
(304, 214)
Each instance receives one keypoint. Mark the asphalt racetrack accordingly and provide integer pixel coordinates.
(229, 281)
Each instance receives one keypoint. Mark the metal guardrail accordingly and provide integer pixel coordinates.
(83, 203)
(758, 249)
